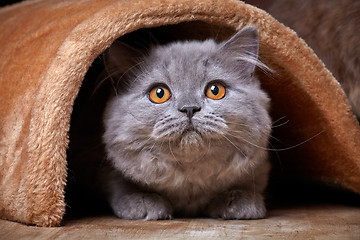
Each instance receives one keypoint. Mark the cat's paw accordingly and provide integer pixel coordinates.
(237, 205)
(148, 206)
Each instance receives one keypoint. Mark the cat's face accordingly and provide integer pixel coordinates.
(192, 95)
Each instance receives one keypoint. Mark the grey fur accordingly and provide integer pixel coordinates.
(213, 163)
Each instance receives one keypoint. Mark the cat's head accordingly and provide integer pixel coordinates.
(189, 95)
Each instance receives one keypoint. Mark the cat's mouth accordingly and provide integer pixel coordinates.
(189, 128)
(191, 137)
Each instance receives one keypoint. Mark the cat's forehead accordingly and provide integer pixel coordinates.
(181, 63)
(185, 49)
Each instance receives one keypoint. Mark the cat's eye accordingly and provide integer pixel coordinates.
(159, 94)
(215, 91)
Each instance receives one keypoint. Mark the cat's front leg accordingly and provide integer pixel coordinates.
(148, 206)
(237, 204)
(128, 201)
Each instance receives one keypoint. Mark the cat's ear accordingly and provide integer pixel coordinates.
(121, 60)
(243, 48)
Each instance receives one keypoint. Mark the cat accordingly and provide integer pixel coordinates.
(331, 28)
(187, 132)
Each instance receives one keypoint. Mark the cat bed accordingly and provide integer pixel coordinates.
(47, 47)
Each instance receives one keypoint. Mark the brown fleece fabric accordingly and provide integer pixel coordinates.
(47, 46)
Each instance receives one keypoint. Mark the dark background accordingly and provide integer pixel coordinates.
(8, 2)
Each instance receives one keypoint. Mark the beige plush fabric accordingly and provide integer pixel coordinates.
(47, 46)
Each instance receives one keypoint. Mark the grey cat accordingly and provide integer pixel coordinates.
(188, 132)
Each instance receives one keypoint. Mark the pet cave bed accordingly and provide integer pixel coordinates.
(47, 47)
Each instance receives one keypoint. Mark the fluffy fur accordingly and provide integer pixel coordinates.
(212, 162)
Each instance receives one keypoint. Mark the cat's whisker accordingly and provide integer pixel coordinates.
(252, 144)
(161, 145)
(103, 80)
(277, 155)
(240, 124)
(279, 149)
(253, 59)
(235, 146)
(152, 145)
(245, 132)
(152, 36)
(279, 119)
(141, 121)
(171, 151)
(249, 126)
(110, 76)
(125, 73)
(281, 124)
(299, 144)
(217, 32)
(276, 139)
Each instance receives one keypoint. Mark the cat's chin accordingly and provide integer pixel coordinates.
(190, 140)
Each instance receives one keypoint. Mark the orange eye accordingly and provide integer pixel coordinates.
(159, 94)
(215, 91)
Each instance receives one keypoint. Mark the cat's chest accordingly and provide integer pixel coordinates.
(212, 173)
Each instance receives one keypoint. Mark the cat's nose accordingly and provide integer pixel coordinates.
(190, 110)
